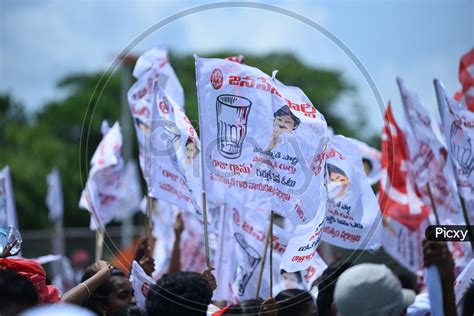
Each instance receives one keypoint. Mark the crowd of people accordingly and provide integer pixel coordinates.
(342, 289)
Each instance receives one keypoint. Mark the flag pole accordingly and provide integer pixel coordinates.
(466, 219)
(264, 256)
(271, 254)
(206, 237)
(99, 243)
(150, 206)
(433, 206)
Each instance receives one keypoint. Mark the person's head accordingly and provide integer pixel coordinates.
(248, 308)
(290, 280)
(285, 121)
(326, 284)
(111, 296)
(370, 290)
(336, 174)
(128, 310)
(295, 302)
(468, 302)
(80, 259)
(182, 293)
(17, 293)
(191, 149)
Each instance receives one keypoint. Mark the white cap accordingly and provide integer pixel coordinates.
(369, 290)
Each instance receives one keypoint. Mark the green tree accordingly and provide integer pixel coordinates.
(65, 133)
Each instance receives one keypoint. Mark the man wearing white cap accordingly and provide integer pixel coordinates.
(370, 290)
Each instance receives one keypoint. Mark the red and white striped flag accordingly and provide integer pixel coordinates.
(466, 77)
(398, 196)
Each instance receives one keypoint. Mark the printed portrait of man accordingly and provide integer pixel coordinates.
(284, 123)
(338, 184)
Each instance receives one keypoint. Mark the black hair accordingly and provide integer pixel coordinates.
(284, 111)
(181, 293)
(468, 302)
(327, 284)
(16, 290)
(369, 162)
(99, 296)
(248, 308)
(332, 168)
(293, 302)
(297, 273)
(129, 310)
(190, 140)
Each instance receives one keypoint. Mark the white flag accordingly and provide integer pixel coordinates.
(249, 232)
(7, 200)
(403, 244)
(260, 139)
(371, 158)
(353, 213)
(141, 284)
(458, 125)
(464, 281)
(303, 245)
(101, 192)
(174, 149)
(151, 67)
(129, 192)
(54, 197)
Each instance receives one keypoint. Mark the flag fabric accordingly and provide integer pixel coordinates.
(151, 67)
(466, 77)
(141, 284)
(163, 219)
(260, 139)
(463, 282)
(371, 159)
(157, 59)
(403, 244)
(398, 197)
(129, 192)
(427, 165)
(249, 231)
(303, 244)
(54, 197)
(458, 126)
(100, 194)
(175, 159)
(353, 215)
(191, 246)
(8, 215)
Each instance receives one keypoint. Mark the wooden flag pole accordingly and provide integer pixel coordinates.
(433, 206)
(466, 219)
(206, 237)
(150, 205)
(271, 254)
(207, 274)
(264, 256)
(99, 243)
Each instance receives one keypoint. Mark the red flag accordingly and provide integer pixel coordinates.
(398, 197)
(466, 77)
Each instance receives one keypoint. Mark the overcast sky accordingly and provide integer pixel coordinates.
(42, 41)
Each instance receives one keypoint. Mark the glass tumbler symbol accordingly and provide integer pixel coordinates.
(232, 114)
(249, 259)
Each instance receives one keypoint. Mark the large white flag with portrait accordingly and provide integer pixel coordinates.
(430, 168)
(353, 217)
(260, 139)
(175, 160)
(458, 127)
(153, 66)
